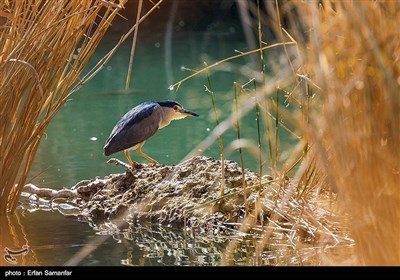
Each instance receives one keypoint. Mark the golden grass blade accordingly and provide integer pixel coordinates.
(207, 68)
(128, 76)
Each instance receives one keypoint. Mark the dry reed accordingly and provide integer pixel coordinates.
(353, 55)
(44, 47)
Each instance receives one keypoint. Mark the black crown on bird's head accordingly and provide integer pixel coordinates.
(168, 103)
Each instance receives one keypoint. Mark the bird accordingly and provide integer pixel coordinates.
(139, 124)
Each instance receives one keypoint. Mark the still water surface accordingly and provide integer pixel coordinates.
(72, 149)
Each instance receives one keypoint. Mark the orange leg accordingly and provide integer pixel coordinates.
(143, 155)
(130, 161)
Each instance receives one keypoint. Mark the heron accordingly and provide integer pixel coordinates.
(139, 124)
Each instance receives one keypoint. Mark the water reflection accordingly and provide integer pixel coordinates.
(165, 246)
(15, 248)
(132, 244)
(144, 245)
(54, 239)
(51, 238)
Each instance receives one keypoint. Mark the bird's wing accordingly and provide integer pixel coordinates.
(136, 126)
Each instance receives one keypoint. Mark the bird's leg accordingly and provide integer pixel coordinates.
(140, 153)
(128, 157)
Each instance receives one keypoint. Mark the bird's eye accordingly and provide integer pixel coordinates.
(176, 108)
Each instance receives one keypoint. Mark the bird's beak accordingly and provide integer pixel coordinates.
(187, 112)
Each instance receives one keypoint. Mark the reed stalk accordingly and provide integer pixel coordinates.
(220, 140)
(240, 146)
(133, 47)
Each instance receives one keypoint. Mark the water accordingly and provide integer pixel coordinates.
(53, 239)
(72, 149)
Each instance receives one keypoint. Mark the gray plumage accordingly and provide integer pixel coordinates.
(126, 134)
(142, 122)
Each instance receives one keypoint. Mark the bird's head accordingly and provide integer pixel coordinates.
(174, 111)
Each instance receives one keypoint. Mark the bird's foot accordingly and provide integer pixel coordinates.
(136, 165)
(154, 163)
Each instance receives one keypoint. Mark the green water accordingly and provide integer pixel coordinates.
(72, 149)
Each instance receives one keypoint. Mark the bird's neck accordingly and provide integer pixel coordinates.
(164, 122)
(169, 115)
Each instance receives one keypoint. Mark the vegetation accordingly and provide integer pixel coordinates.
(353, 57)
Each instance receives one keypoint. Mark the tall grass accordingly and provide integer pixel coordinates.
(44, 47)
(353, 55)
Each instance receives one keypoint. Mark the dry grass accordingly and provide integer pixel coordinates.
(354, 56)
(44, 47)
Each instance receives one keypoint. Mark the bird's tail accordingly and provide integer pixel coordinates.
(107, 150)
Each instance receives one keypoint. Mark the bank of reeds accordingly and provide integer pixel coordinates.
(44, 47)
